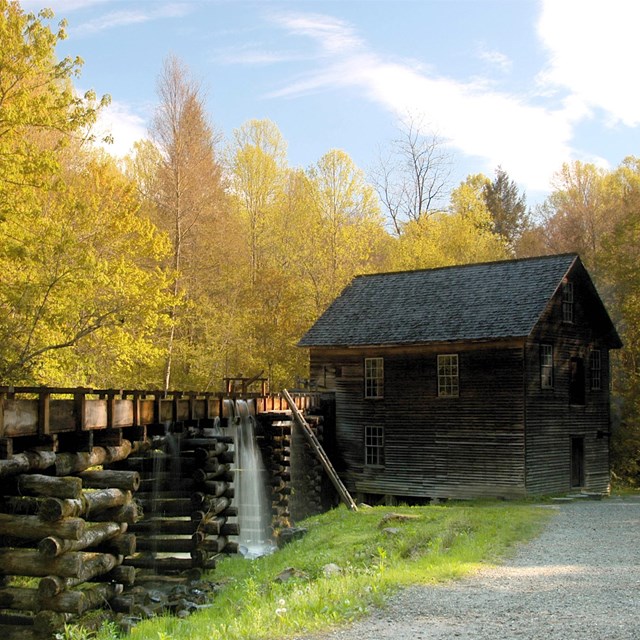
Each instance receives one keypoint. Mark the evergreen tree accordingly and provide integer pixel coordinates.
(507, 207)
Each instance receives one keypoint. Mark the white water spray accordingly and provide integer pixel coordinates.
(254, 514)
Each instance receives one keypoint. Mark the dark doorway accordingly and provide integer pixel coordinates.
(577, 382)
(577, 461)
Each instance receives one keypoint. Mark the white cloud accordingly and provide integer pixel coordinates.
(255, 55)
(134, 16)
(60, 7)
(332, 34)
(529, 141)
(495, 58)
(125, 126)
(593, 54)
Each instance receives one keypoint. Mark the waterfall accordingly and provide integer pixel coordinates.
(166, 473)
(254, 512)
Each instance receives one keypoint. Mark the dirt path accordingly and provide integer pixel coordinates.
(579, 580)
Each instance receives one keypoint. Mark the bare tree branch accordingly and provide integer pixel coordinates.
(412, 176)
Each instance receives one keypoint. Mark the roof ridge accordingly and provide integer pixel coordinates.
(469, 264)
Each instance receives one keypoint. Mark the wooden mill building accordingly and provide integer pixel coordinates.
(478, 380)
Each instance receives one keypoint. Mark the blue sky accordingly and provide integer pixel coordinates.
(525, 84)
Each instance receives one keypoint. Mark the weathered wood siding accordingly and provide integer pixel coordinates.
(468, 446)
(551, 419)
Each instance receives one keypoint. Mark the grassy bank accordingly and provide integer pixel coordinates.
(347, 563)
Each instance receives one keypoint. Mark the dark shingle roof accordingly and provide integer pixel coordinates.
(470, 302)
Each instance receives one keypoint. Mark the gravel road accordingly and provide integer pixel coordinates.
(579, 580)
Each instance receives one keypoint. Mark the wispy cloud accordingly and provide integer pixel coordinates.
(61, 7)
(529, 140)
(150, 12)
(334, 36)
(495, 58)
(256, 55)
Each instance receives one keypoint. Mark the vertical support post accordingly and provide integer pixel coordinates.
(111, 405)
(44, 415)
(192, 409)
(175, 405)
(2, 401)
(83, 436)
(136, 408)
(79, 402)
(208, 407)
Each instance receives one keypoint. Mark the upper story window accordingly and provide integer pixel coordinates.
(546, 366)
(576, 381)
(595, 369)
(448, 382)
(373, 377)
(567, 302)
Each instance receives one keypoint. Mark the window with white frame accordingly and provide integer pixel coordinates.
(448, 382)
(595, 369)
(374, 446)
(373, 377)
(567, 302)
(546, 366)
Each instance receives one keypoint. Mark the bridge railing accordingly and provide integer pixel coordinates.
(45, 412)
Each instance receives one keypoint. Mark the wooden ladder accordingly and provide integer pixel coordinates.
(320, 452)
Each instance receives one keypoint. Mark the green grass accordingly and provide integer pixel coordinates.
(438, 543)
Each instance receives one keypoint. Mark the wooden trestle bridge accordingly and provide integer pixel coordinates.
(90, 501)
(37, 416)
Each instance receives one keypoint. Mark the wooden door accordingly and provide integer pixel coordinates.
(577, 462)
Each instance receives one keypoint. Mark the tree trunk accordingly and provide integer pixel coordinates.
(128, 513)
(217, 488)
(204, 454)
(48, 486)
(94, 535)
(121, 545)
(162, 565)
(25, 505)
(50, 586)
(111, 479)
(28, 562)
(168, 507)
(212, 505)
(18, 631)
(75, 602)
(214, 545)
(34, 528)
(230, 529)
(168, 526)
(165, 545)
(48, 623)
(102, 499)
(212, 472)
(52, 509)
(70, 463)
(28, 461)
(211, 525)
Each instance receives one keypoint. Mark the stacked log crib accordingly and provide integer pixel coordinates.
(102, 490)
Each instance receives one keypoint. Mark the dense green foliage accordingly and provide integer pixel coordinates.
(193, 260)
(81, 290)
